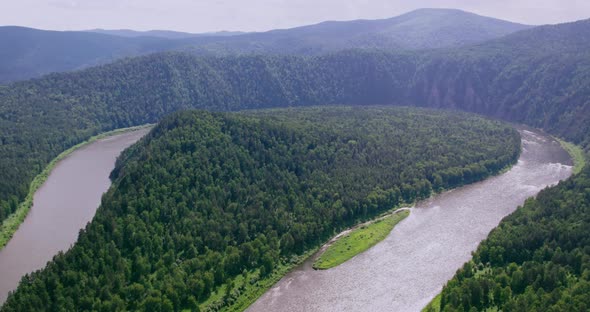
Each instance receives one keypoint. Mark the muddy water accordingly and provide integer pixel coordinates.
(61, 207)
(407, 269)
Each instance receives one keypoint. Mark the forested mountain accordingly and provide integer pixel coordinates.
(416, 30)
(28, 53)
(224, 198)
(535, 81)
(539, 77)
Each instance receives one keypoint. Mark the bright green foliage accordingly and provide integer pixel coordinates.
(358, 241)
(434, 305)
(577, 154)
(538, 259)
(207, 197)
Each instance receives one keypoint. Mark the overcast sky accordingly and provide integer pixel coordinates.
(260, 15)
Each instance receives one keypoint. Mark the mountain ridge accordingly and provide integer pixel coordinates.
(167, 34)
(31, 53)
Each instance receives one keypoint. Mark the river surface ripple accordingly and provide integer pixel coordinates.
(64, 204)
(407, 269)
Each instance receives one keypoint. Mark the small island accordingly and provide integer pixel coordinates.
(358, 240)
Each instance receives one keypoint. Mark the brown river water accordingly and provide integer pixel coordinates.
(407, 269)
(61, 207)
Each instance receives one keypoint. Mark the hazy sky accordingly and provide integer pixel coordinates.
(259, 15)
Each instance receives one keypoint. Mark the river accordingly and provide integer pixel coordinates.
(64, 204)
(407, 269)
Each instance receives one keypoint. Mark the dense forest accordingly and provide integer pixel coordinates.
(538, 77)
(209, 197)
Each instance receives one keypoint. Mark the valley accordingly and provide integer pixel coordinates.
(267, 144)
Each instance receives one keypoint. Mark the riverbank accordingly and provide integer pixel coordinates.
(434, 241)
(251, 294)
(577, 154)
(12, 223)
(247, 288)
(434, 305)
(243, 291)
(579, 161)
(358, 239)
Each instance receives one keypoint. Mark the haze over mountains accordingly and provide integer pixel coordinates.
(30, 53)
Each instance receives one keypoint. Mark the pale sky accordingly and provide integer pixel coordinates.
(260, 15)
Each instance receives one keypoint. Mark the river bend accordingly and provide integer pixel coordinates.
(407, 269)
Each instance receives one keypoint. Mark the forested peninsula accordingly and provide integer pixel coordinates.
(215, 202)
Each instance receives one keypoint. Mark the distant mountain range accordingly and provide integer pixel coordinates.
(168, 34)
(29, 53)
(420, 29)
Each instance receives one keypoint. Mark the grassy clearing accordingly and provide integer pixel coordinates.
(245, 289)
(434, 305)
(576, 153)
(358, 241)
(11, 224)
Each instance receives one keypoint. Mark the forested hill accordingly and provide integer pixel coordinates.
(530, 81)
(28, 53)
(210, 199)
